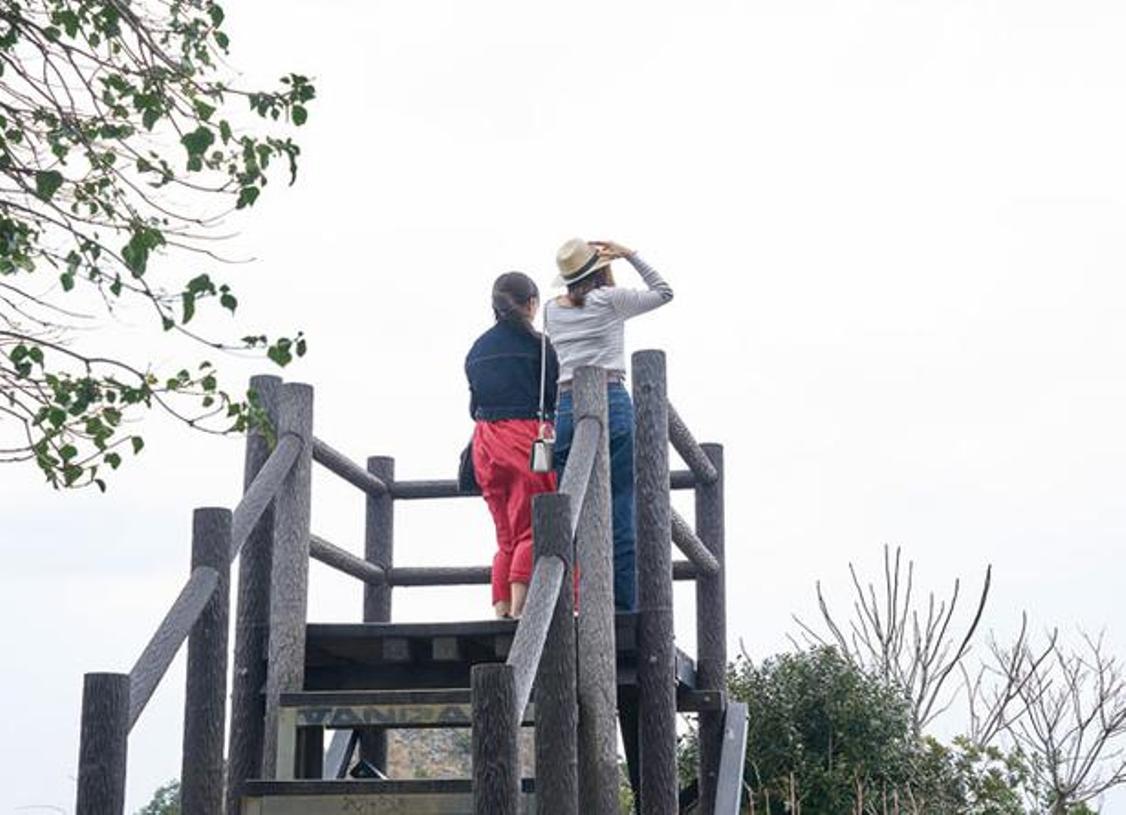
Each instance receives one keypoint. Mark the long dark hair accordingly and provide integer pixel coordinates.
(578, 291)
(512, 292)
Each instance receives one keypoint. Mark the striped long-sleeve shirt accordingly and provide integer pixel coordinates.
(595, 333)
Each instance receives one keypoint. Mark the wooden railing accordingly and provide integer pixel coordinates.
(576, 742)
(112, 703)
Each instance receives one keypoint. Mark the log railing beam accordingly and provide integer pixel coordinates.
(350, 471)
(252, 617)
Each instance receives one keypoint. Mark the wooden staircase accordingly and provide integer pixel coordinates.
(580, 680)
(406, 676)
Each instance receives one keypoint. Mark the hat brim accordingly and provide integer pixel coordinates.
(561, 282)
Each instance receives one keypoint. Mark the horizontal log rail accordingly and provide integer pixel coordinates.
(689, 449)
(531, 631)
(338, 463)
(263, 489)
(418, 490)
(170, 635)
(345, 562)
(693, 548)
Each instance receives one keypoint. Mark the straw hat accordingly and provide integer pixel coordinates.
(577, 259)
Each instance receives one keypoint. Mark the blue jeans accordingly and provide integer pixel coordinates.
(621, 484)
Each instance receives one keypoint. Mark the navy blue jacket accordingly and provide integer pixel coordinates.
(503, 368)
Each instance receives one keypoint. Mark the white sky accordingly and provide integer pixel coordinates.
(893, 228)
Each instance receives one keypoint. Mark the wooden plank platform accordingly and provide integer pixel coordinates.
(418, 797)
(388, 656)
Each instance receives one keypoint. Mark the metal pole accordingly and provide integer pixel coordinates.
(379, 548)
(711, 625)
(597, 675)
(252, 620)
(205, 704)
(104, 745)
(289, 573)
(656, 657)
(557, 756)
(496, 755)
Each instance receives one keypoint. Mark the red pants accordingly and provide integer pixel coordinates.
(500, 459)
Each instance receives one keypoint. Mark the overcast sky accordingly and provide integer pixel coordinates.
(894, 229)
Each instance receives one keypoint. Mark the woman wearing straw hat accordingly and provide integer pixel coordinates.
(512, 371)
(587, 327)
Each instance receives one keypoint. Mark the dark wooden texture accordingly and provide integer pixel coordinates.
(531, 632)
(261, 491)
(431, 796)
(580, 464)
(692, 547)
(711, 625)
(557, 747)
(597, 680)
(205, 700)
(656, 649)
(496, 756)
(629, 721)
(733, 756)
(379, 550)
(104, 743)
(683, 570)
(424, 489)
(344, 561)
(248, 677)
(379, 540)
(153, 662)
(441, 576)
(685, 444)
(336, 462)
(289, 572)
(310, 752)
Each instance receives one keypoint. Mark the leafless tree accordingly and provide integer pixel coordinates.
(913, 648)
(995, 695)
(1074, 720)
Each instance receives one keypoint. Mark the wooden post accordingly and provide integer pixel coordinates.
(597, 674)
(656, 657)
(289, 573)
(496, 755)
(104, 745)
(205, 703)
(379, 548)
(252, 620)
(557, 756)
(711, 625)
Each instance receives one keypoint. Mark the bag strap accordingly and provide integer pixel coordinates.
(543, 375)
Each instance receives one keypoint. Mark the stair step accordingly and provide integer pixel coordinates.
(382, 708)
(354, 656)
(418, 797)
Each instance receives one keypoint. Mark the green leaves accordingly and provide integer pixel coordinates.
(198, 141)
(136, 253)
(47, 183)
(247, 196)
(99, 164)
(284, 349)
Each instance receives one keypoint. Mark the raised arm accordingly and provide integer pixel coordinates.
(631, 302)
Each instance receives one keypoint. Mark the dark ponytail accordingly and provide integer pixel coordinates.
(512, 292)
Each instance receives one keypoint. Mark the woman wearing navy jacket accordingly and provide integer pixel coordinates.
(503, 368)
